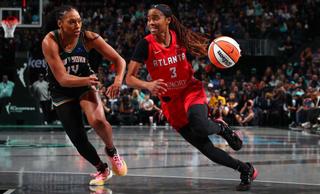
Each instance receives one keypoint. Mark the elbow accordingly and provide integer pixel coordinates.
(63, 82)
(121, 63)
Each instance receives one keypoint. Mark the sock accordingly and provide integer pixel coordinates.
(101, 167)
(243, 167)
(111, 151)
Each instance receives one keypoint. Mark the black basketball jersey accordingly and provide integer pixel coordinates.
(76, 63)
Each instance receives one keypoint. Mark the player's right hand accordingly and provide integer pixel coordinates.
(157, 87)
(93, 81)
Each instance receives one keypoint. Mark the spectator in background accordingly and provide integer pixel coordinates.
(268, 73)
(217, 103)
(148, 110)
(6, 89)
(224, 88)
(216, 80)
(138, 95)
(239, 77)
(316, 57)
(314, 82)
(246, 114)
(294, 101)
(265, 106)
(306, 112)
(278, 115)
(40, 90)
(306, 56)
(136, 99)
(126, 109)
(230, 109)
(106, 107)
(274, 81)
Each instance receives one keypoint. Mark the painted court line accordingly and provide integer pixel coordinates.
(9, 191)
(177, 177)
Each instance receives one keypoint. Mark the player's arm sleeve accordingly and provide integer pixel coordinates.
(140, 53)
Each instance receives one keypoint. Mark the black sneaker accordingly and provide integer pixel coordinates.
(230, 135)
(247, 178)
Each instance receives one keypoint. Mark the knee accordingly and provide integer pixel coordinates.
(199, 125)
(97, 123)
(251, 115)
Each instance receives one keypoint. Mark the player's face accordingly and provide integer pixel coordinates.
(71, 23)
(157, 22)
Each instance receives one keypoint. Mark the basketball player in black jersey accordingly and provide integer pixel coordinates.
(73, 87)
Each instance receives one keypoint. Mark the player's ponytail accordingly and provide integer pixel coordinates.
(51, 21)
(194, 42)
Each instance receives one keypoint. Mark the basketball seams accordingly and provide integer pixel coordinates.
(213, 56)
(229, 40)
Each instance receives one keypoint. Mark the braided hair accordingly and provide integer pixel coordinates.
(51, 22)
(195, 43)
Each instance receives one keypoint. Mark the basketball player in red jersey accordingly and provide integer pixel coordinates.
(183, 98)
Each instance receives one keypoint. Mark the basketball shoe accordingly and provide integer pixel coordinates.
(233, 137)
(119, 166)
(247, 178)
(99, 178)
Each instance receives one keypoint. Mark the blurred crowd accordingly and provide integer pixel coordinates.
(276, 96)
(286, 95)
(122, 23)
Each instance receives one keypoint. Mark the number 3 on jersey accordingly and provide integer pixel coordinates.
(173, 71)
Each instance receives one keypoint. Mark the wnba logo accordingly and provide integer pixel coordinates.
(224, 59)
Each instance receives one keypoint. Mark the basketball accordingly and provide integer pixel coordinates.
(224, 52)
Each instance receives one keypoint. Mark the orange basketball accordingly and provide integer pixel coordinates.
(224, 52)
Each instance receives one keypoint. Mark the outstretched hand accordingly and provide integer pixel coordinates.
(113, 91)
(157, 87)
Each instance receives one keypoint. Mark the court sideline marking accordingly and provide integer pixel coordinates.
(9, 191)
(163, 176)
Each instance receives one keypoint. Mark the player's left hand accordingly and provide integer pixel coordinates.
(113, 91)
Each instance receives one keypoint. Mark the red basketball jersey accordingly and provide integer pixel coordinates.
(170, 64)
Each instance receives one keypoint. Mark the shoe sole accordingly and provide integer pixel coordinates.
(103, 182)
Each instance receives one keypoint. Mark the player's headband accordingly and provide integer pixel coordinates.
(165, 9)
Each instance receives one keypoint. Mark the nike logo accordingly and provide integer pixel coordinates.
(156, 52)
